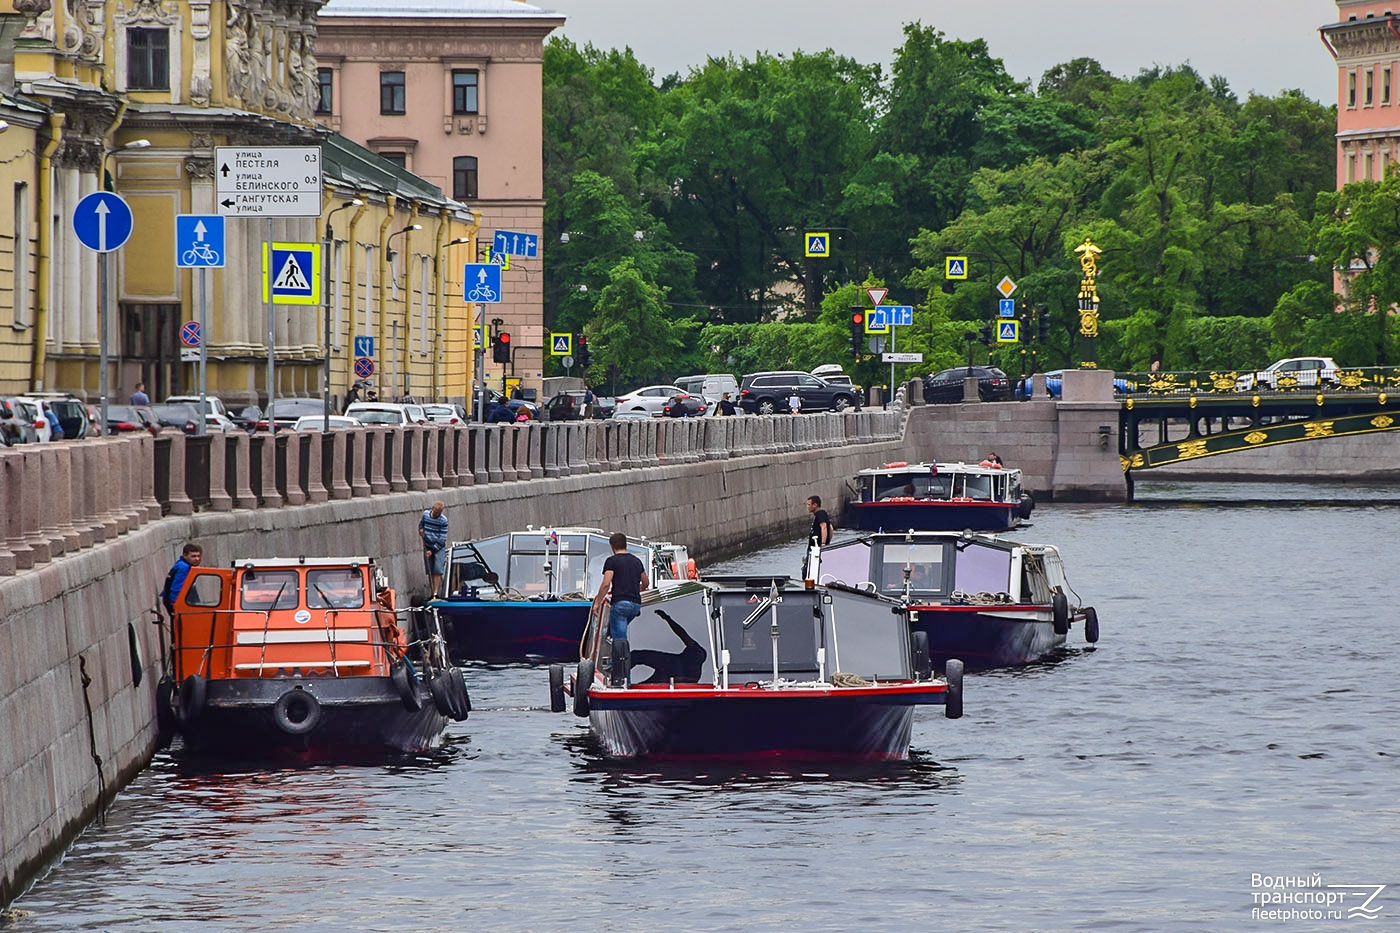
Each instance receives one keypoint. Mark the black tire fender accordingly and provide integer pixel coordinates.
(923, 665)
(556, 688)
(953, 704)
(1091, 624)
(296, 712)
(402, 677)
(439, 687)
(1026, 506)
(457, 690)
(167, 721)
(1059, 605)
(621, 662)
(582, 682)
(193, 691)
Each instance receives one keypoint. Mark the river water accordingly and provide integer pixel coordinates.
(1235, 726)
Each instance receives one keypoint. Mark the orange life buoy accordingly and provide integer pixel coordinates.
(990, 464)
(897, 463)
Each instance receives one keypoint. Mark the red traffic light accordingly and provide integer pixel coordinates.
(858, 317)
(503, 337)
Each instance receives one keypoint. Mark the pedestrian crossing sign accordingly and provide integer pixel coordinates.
(561, 344)
(955, 267)
(818, 244)
(1008, 331)
(291, 273)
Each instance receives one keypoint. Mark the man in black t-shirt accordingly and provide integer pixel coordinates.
(821, 522)
(625, 578)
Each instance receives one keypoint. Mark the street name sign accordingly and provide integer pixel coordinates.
(268, 181)
(902, 358)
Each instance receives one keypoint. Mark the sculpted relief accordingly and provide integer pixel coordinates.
(268, 62)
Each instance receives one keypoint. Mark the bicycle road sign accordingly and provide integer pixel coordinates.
(189, 333)
(481, 282)
(199, 241)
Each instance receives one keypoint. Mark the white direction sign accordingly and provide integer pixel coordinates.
(901, 358)
(269, 181)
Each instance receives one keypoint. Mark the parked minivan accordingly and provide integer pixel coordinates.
(711, 385)
(390, 413)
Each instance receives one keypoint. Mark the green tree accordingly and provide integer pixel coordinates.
(632, 335)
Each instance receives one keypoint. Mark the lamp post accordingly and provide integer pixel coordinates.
(392, 256)
(439, 311)
(326, 302)
(103, 271)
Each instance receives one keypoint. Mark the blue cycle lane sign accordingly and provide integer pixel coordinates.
(199, 241)
(481, 282)
(102, 222)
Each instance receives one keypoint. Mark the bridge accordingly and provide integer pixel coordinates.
(1170, 418)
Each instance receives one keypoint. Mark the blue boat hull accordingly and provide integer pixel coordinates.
(933, 516)
(982, 640)
(534, 631)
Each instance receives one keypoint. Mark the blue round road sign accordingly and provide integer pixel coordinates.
(102, 222)
(189, 333)
(364, 367)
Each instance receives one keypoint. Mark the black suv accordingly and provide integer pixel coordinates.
(767, 393)
(947, 386)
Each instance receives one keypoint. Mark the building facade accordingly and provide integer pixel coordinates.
(135, 97)
(451, 91)
(1365, 41)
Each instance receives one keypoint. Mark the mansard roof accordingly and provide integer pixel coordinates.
(466, 9)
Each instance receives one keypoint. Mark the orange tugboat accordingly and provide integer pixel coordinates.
(304, 655)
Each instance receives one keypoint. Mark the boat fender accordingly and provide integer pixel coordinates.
(296, 712)
(691, 573)
(923, 665)
(402, 676)
(1059, 605)
(193, 690)
(1091, 624)
(582, 681)
(1026, 505)
(438, 687)
(953, 699)
(556, 688)
(457, 690)
(166, 717)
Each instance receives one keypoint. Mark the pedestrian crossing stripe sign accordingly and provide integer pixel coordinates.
(1008, 331)
(818, 244)
(291, 273)
(479, 340)
(955, 267)
(561, 344)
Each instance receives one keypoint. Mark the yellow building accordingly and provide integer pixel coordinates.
(138, 97)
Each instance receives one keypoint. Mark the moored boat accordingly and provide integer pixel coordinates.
(982, 598)
(304, 655)
(938, 497)
(756, 667)
(526, 595)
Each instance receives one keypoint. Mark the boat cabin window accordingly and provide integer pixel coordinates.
(974, 486)
(907, 486)
(871, 642)
(340, 588)
(470, 565)
(266, 590)
(751, 646)
(671, 642)
(846, 563)
(926, 569)
(983, 570)
(205, 589)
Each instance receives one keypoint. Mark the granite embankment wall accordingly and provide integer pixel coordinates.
(84, 519)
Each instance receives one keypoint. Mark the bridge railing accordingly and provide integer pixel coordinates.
(1361, 379)
(63, 496)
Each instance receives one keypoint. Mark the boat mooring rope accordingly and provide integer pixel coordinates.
(842, 679)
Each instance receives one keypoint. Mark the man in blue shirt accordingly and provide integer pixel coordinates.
(139, 397)
(175, 579)
(432, 528)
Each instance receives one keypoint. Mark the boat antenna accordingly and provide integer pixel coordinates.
(773, 600)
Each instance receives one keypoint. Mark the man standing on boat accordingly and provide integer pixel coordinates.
(432, 528)
(624, 577)
(821, 522)
(189, 557)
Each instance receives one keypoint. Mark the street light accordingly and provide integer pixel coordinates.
(400, 365)
(441, 308)
(326, 301)
(103, 271)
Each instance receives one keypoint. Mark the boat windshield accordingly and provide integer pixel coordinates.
(925, 565)
(266, 590)
(982, 569)
(339, 588)
(847, 562)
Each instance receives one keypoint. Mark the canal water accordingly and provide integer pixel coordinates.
(1233, 731)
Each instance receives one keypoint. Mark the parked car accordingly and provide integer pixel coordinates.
(1054, 382)
(1291, 373)
(94, 415)
(947, 385)
(767, 393)
(711, 385)
(212, 404)
(650, 399)
(286, 411)
(390, 413)
(686, 405)
(124, 418)
(14, 427)
(514, 404)
(215, 422)
(249, 417)
(568, 406)
(31, 411)
(318, 422)
(444, 413)
(183, 417)
(68, 411)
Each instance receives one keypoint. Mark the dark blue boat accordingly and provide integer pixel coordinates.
(938, 497)
(525, 595)
(981, 598)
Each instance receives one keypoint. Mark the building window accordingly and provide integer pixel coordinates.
(148, 59)
(1351, 168)
(464, 178)
(1385, 86)
(464, 87)
(1370, 86)
(1369, 168)
(398, 158)
(1351, 89)
(391, 92)
(325, 84)
(20, 288)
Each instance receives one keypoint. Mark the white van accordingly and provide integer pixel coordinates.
(390, 413)
(711, 386)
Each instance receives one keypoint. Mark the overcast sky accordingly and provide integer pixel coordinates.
(1258, 45)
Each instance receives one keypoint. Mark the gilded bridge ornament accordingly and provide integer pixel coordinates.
(1088, 258)
(1318, 429)
(1256, 437)
(1188, 450)
(1088, 289)
(1382, 421)
(1089, 322)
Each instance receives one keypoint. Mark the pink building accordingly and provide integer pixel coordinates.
(1366, 44)
(451, 91)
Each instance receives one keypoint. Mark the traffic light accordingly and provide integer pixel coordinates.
(857, 332)
(1042, 323)
(986, 335)
(500, 349)
(584, 355)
